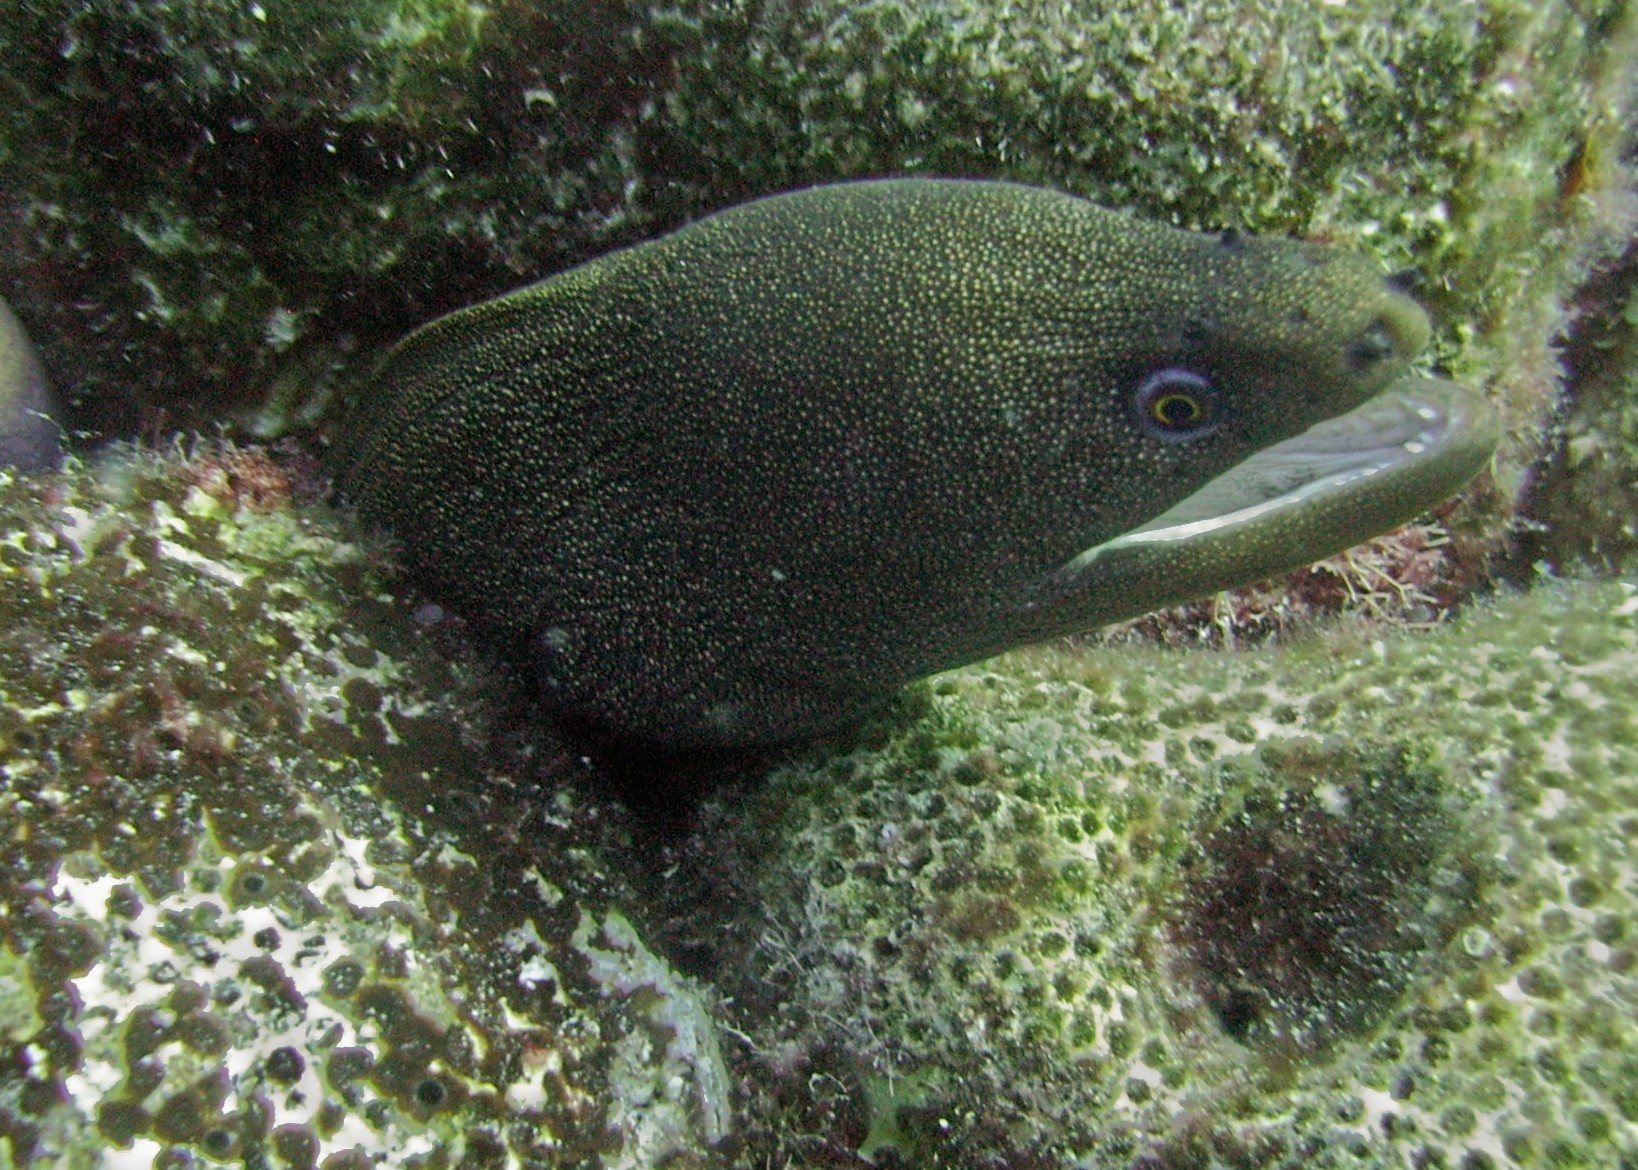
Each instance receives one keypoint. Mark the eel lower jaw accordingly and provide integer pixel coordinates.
(1341, 482)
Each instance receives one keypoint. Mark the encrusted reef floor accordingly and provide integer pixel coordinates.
(1365, 901)
(269, 896)
(287, 885)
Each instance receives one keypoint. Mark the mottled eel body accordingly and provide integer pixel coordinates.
(736, 484)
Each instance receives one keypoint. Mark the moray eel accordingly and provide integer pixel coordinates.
(735, 485)
(30, 436)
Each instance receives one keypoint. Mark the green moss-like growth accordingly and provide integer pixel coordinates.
(242, 200)
(266, 895)
(235, 194)
(1355, 902)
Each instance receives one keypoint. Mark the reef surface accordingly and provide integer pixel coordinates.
(289, 881)
(1366, 900)
(270, 896)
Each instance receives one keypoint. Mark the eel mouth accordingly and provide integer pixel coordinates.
(1425, 433)
(1341, 482)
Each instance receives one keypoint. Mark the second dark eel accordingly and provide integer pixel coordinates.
(735, 485)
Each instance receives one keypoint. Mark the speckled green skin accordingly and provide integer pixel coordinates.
(739, 483)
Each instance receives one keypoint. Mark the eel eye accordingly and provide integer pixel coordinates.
(1176, 404)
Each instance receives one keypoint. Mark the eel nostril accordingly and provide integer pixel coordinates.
(1372, 347)
(1406, 281)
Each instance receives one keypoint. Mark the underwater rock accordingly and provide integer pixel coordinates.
(266, 896)
(31, 437)
(1586, 503)
(431, 154)
(1363, 901)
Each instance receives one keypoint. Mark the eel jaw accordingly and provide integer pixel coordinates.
(1341, 482)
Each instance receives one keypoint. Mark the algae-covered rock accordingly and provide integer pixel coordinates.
(283, 887)
(1360, 902)
(268, 897)
(245, 201)
(1588, 497)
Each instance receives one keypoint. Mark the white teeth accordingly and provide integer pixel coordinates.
(1427, 438)
(1323, 461)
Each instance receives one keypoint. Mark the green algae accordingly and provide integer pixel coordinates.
(429, 152)
(1588, 502)
(1391, 932)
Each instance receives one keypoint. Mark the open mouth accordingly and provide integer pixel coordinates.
(1419, 430)
(1341, 482)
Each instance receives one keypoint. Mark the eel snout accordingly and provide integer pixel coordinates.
(1340, 482)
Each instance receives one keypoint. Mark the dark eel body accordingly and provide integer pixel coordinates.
(735, 485)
